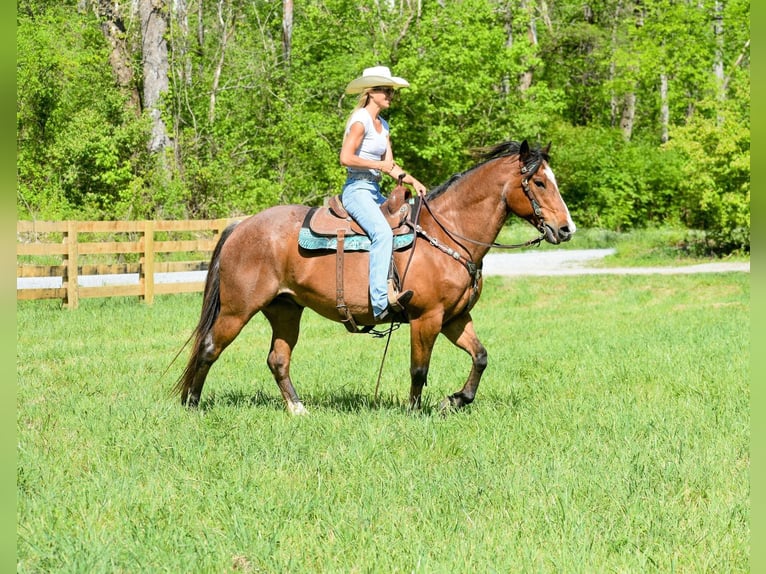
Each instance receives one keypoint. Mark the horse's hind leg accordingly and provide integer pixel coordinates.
(460, 331)
(224, 331)
(284, 316)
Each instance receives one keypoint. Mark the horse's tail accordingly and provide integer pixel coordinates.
(211, 307)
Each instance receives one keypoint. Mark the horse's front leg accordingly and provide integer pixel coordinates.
(460, 331)
(423, 333)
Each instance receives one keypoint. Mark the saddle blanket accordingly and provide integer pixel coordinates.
(313, 242)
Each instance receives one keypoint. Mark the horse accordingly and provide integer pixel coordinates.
(258, 266)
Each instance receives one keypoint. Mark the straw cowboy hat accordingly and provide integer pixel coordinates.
(373, 77)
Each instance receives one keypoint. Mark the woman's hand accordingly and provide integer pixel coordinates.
(397, 172)
(419, 187)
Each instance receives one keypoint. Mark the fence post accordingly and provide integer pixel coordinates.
(72, 294)
(147, 264)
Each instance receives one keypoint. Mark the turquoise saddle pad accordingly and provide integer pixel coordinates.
(313, 242)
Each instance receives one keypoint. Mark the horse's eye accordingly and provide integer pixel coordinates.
(540, 183)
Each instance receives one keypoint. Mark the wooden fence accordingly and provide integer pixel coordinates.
(72, 249)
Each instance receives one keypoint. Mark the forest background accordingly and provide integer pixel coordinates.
(189, 109)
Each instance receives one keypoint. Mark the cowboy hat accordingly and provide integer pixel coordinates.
(373, 77)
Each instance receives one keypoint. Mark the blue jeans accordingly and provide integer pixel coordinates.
(362, 199)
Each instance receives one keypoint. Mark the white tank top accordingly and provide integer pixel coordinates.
(374, 145)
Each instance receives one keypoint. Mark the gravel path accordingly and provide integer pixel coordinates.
(532, 262)
(576, 262)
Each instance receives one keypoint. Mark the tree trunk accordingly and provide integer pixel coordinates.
(508, 26)
(613, 102)
(154, 49)
(545, 14)
(629, 101)
(113, 28)
(413, 12)
(200, 28)
(526, 77)
(718, 63)
(736, 64)
(628, 115)
(182, 73)
(287, 30)
(664, 107)
(718, 33)
(180, 46)
(227, 29)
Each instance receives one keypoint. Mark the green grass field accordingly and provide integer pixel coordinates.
(610, 434)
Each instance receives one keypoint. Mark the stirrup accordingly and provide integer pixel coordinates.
(397, 300)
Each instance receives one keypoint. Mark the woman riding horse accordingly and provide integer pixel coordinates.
(258, 266)
(366, 153)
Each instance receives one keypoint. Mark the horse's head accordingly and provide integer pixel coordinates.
(537, 198)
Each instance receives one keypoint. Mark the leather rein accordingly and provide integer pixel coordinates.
(468, 263)
(474, 269)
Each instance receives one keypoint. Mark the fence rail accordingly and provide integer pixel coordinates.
(95, 255)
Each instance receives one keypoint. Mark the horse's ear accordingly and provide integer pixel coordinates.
(524, 152)
(547, 149)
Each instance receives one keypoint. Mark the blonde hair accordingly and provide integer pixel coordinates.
(364, 99)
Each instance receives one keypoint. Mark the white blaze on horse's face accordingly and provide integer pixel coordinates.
(550, 175)
(552, 178)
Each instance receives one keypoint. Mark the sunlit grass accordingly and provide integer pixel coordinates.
(610, 433)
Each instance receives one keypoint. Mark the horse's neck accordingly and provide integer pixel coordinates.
(473, 207)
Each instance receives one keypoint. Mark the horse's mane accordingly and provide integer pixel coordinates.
(486, 154)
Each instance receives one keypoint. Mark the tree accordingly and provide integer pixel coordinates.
(242, 103)
(287, 29)
(109, 14)
(80, 145)
(154, 50)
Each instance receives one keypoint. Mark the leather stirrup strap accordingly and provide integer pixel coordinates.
(340, 303)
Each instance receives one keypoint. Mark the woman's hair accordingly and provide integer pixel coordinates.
(364, 99)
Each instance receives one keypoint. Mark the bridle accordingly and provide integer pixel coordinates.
(528, 171)
(532, 170)
(474, 270)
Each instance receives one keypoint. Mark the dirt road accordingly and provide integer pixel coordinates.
(530, 262)
(579, 262)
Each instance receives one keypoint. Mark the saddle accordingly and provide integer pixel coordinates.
(329, 221)
(334, 223)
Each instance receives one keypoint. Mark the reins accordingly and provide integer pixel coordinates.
(473, 269)
(454, 234)
(467, 262)
(393, 327)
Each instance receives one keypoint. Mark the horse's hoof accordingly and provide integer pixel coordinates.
(296, 409)
(447, 405)
(190, 402)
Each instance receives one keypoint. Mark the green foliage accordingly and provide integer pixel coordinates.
(459, 99)
(271, 130)
(79, 144)
(715, 183)
(613, 184)
(578, 61)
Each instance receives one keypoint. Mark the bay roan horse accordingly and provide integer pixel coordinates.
(257, 265)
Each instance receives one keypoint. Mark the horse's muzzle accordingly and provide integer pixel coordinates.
(558, 235)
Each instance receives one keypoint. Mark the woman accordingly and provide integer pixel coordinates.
(366, 154)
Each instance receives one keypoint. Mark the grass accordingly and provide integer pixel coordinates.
(610, 433)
